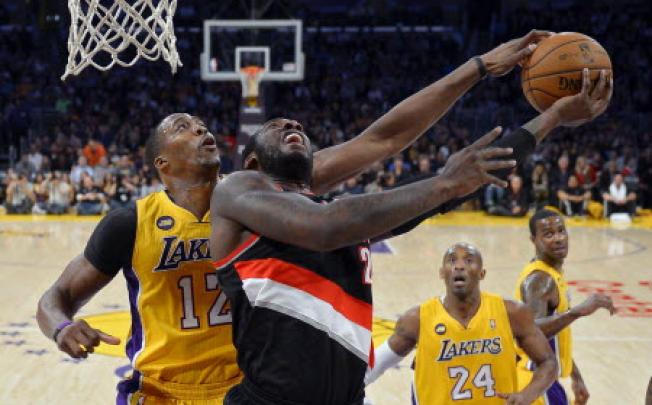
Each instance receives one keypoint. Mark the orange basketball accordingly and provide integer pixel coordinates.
(554, 69)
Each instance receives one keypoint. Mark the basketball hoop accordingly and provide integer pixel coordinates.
(250, 77)
(98, 29)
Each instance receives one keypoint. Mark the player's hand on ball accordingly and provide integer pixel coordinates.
(502, 59)
(593, 303)
(516, 398)
(589, 103)
(469, 168)
(78, 339)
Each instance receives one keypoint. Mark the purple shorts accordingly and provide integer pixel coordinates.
(555, 395)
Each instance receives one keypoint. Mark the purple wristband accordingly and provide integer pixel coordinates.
(59, 328)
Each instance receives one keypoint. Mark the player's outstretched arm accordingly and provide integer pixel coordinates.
(569, 111)
(409, 119)
(534, 343)
(540, 293)
(400, 344)
(252, 200)
(56, 308)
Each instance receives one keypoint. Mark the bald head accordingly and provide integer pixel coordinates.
(466, 247)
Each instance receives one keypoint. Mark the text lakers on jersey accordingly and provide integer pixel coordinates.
(457, 364)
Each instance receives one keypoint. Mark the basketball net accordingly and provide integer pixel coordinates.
(97, 29)
(250, 79)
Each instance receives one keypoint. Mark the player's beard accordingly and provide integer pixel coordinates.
(292, 167)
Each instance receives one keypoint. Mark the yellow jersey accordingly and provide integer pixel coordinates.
(562, 343)
(464, 365)
(180, 343)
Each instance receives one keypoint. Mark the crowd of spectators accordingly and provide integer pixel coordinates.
(80, 143)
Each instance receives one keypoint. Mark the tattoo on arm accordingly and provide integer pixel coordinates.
(540, 294)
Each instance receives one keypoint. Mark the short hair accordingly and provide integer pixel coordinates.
(154, 144)
(250, 147)
(541, 214)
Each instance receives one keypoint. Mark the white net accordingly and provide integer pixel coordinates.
(108, 32)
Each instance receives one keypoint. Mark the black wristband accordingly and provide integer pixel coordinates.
(482, 69)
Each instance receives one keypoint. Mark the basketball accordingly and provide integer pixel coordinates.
(554, 70)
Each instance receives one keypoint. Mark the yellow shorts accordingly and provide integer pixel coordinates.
(154, 392)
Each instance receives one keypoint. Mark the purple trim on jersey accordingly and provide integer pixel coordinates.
(556, 395)
(381, 247)
(413, 394)
(135, 342)
(127, 387)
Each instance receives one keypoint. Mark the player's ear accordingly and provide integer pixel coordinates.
(441, 273)
(532, 238)
(161, 163)
(251, 162)
(483, 273)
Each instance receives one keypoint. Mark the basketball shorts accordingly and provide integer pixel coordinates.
(555, 395)
(141, 390)
(246, 393)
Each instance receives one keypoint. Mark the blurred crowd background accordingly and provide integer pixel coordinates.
(77, 147)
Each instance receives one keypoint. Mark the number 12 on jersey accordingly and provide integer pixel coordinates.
(482, 379)
(219, 314)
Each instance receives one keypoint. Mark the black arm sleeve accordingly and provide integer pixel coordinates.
(111, 245)
(523, 143)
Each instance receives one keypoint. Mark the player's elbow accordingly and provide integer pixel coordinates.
(549, 368)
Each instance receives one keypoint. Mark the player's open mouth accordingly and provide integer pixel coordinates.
(459, 280)
(293, 138)
(209, 143)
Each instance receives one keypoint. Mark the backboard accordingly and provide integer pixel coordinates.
(274, 45)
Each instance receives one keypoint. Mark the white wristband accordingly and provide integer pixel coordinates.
(385, 358)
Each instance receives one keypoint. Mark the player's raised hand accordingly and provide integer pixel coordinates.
(469, 168)
(502, 59)
(588, 104)
(593, 303)
(516, 398)
(78, 339)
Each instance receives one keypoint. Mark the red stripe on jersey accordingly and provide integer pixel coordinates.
(298, 277)
(244, 245)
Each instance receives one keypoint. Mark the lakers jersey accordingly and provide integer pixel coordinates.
(561, 343)
(464, 365)
(180, 343)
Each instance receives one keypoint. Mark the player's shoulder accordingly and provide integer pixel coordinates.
(242, 180)
(123, 217)
(517, 311)
(538, 279)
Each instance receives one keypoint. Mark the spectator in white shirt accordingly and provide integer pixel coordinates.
(35, 157)
(79, 170)
(618, 199)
